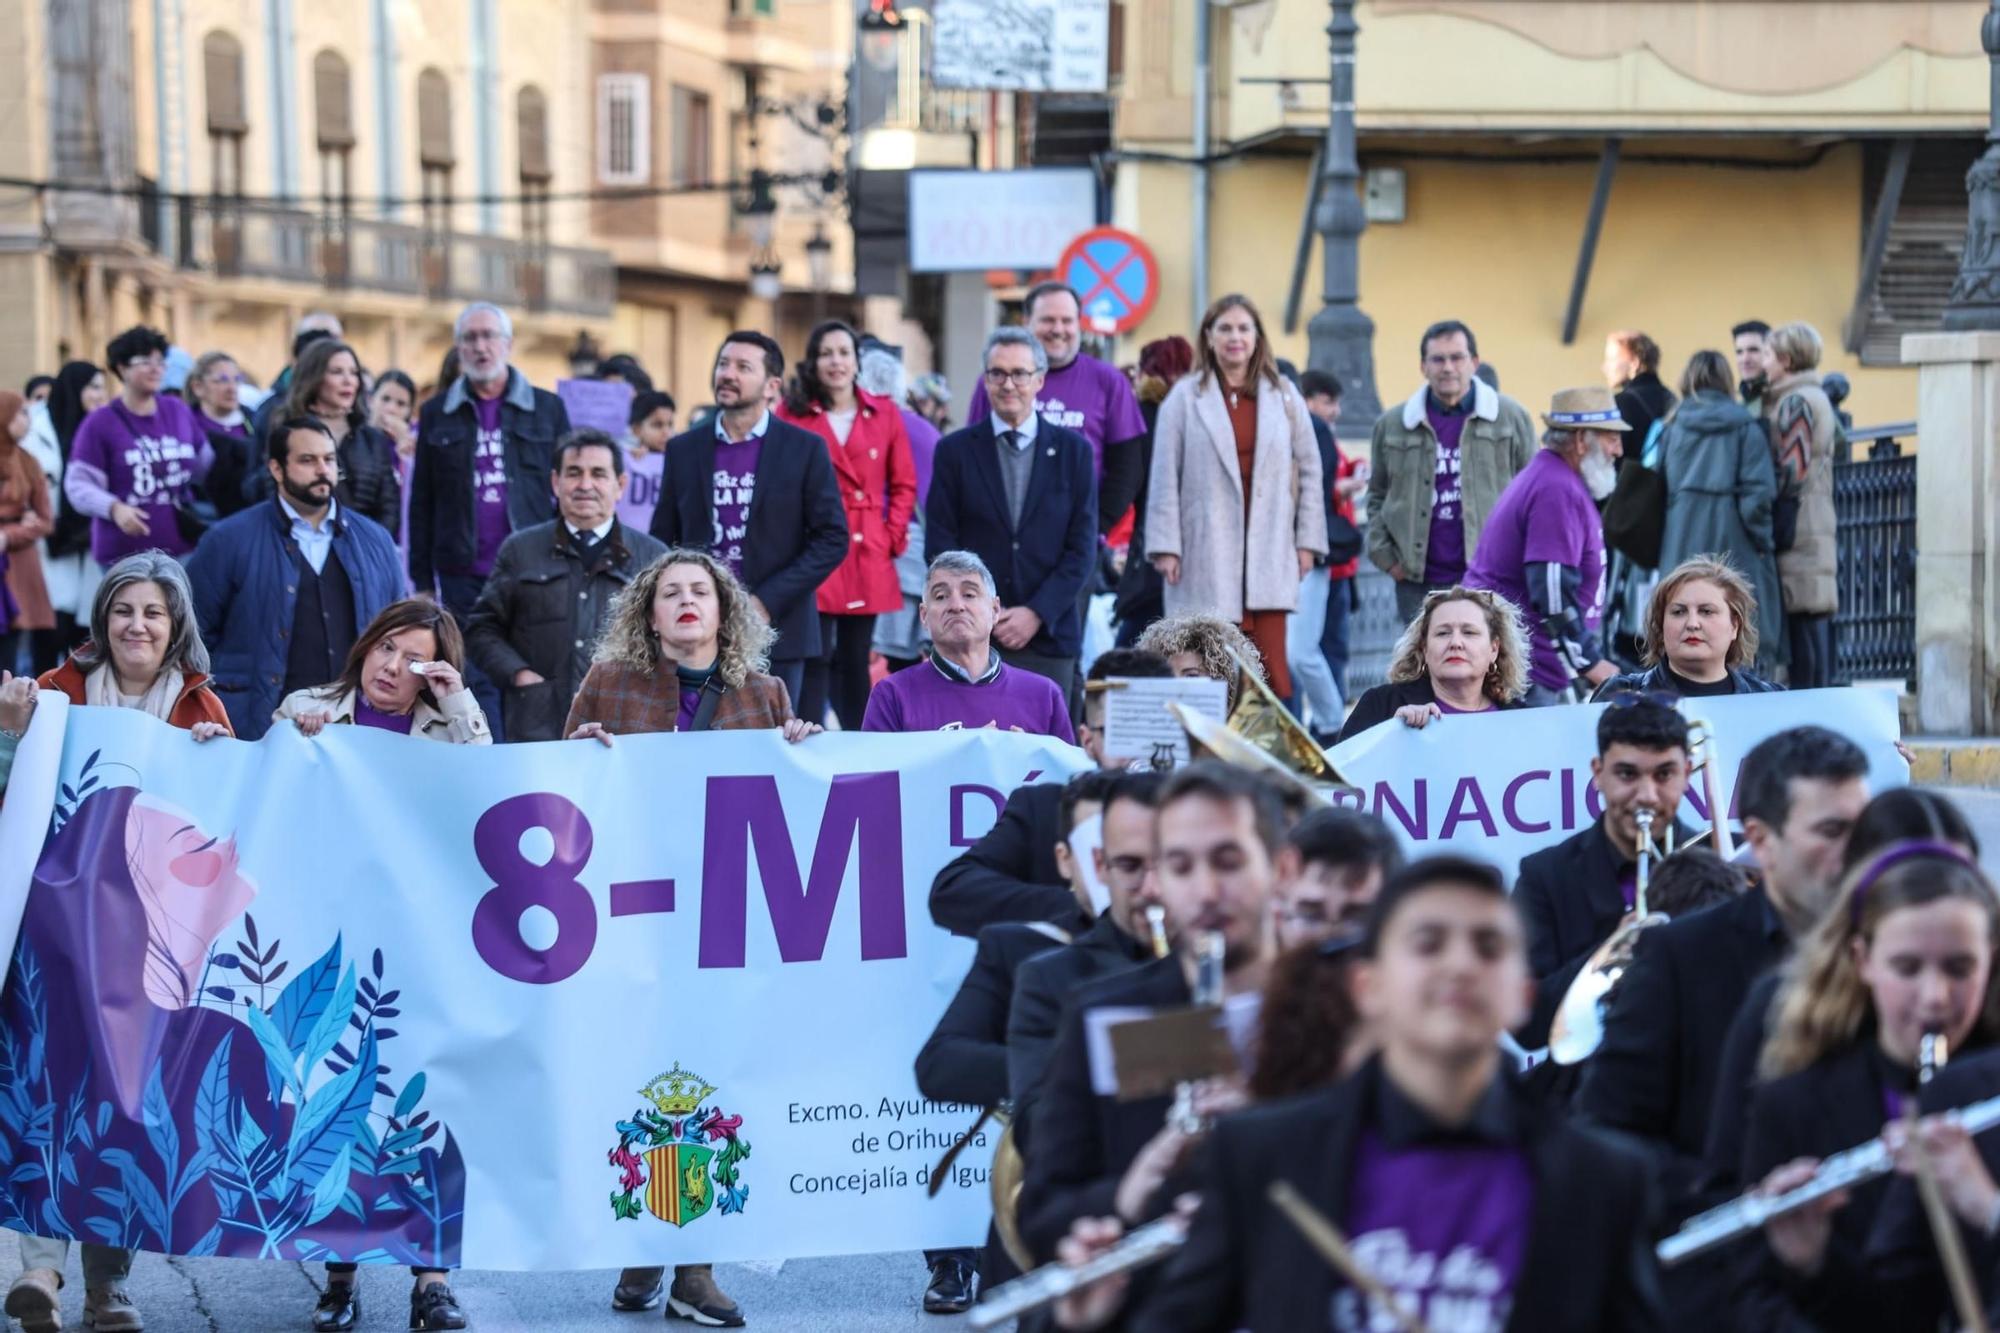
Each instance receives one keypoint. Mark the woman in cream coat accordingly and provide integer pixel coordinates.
(1235, 511)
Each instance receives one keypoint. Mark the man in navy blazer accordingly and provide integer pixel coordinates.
(1021, 494)
(760, 495)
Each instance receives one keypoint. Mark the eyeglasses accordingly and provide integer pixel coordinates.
(152, 361)
(1018, 377)
(477, 336)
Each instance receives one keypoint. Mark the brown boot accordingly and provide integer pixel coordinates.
(35, 1299)
(695, 1296)
(108, 1309)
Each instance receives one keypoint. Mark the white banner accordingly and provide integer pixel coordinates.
(526, 1007)
(1502, 785)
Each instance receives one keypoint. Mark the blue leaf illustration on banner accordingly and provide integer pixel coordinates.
(208, 1244)
(160, 1131)
(276, 1053)
(249, 1135)
(144, 1195)
(326, 1125)
(331, 1187)
(331, 1023)
(413, 1092)
(103, 1118)
(304, 1001)
(211, 1102)
(109, 1230)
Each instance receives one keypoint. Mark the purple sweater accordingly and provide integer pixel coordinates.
(924, 698)
(151, 463)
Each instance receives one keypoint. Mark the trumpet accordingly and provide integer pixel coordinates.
(1050, 1283)
(1156, 929)
(1207, 992)
(1844, 1170)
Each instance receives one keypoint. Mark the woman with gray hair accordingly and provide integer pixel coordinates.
(144, 650)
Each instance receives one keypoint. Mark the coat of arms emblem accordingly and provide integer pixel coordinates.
(677, 1158)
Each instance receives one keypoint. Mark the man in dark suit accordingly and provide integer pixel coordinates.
(1215, 854)
(1575, 894)
(760, 495)
(1022, 495)
(1656, 1074)
(965, 1058)
(1473, 1206)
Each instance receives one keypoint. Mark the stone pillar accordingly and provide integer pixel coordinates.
(968, 318)
(1958, 531)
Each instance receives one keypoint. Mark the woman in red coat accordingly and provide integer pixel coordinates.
(878, 480)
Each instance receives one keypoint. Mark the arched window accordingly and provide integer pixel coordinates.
(531, 124)
(434, 148)
(333, 118)
(222, 69)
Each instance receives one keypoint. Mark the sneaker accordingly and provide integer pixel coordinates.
(110, 1310)
(695, 1296)
(432, 1306)
(339, 1308)
(639, 1289)
(35, 1300)
(954, 1286)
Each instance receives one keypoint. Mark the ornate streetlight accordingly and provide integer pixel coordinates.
(1975, 297)
(1340, 338)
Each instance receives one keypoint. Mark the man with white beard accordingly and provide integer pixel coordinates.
(1543, 545)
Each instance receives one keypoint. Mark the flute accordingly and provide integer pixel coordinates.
(1740, 1217)
(1050, 1283)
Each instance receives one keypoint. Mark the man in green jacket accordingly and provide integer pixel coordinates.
(1437, 465)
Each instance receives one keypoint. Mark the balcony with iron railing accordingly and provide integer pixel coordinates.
(232, 239)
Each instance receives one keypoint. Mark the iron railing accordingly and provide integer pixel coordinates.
(1875, 502)
(1372, 630)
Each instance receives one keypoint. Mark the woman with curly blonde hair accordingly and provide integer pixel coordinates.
(1466, 652)
(1906, 951)
(1205, 647)
(683, 651)
(1700, 634)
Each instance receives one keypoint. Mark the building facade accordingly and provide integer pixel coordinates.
(1750, 142)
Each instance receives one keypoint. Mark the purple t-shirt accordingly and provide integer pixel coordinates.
(923, 698)
(735, 482)
(1444, 555)
(151, 463)
(1443, 1226)
(1085, 396)
(489, 485)
(1545, 516)
(365, 715)
(642, 489)
(923, 438)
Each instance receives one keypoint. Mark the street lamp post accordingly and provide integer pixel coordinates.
(1975, 297)
(1340, 337)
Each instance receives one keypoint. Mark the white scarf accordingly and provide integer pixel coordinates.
(100, 690)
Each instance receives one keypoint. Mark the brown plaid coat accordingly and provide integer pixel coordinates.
(629, 702)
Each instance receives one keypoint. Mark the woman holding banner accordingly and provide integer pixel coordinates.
(683, 652)
(1464, 653)
(1700, 633)
(402, 675)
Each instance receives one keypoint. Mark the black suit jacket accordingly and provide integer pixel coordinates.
(1589, 1265)
(1823, 1109)
(1010, 874)
(1043, 561)
(1379, 703)
(1571, 902)
(965, 1059)
(1083, 1142)
(1902, 1257)
(797, 530)
(1656, 1073)
(1041, 987)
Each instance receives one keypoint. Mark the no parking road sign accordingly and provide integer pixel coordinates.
(1115, 276)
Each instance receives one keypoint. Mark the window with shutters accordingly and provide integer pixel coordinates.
(333, 119)
(434, 147)
(624, 129)
(1925, 242)
(694, 132)
(222, 82)
(531, 128)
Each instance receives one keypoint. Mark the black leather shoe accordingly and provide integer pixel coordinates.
(639, 1289)
(339, 1308)
(434, 1307)
(954, 1286)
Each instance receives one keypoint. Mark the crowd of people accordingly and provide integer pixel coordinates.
(819, 548)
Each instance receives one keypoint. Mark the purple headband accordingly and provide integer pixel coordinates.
(1895, 854)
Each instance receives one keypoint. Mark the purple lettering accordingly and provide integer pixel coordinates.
(1512, 813)
(1468, 805)
(746, 811)
(1568, 799)
(959, 837)
(1385, 801)
(519, 884)
(1593, 801)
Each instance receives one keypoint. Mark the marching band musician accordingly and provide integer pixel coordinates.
(1216, 844)
(1906, 950)
(1654, 1078)
(1331, 867)
(965, 1059)
(1575, 894)
(1477, 1210)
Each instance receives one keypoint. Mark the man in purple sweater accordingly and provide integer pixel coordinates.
(963, 683)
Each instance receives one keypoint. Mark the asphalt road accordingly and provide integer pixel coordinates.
(862, 1294)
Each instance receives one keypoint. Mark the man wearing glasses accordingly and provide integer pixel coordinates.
(485, 452)
(1021, 494)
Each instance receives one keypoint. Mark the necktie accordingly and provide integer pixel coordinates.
(1011, 438)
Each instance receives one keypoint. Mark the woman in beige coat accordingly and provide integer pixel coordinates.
(1235, 510)
(1803, 429)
